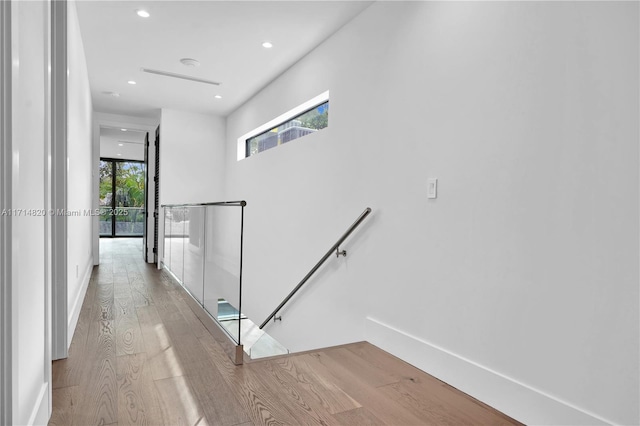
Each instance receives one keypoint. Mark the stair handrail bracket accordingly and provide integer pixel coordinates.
(334, 250)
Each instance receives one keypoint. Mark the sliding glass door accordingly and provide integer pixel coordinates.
(121, 198)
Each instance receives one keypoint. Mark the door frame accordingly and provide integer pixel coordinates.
(101, 119)
(58, 180)
(145, 231)
(6, 382)
(157, 225)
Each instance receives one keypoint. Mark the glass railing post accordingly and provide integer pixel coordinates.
(204, 251)
(182, 240)
(240, 274)
(166, 250)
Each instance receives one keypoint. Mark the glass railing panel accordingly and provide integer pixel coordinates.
(129, 221)
(222, 267)
(105, 221)
(175, 222)
(194, 249)
(166, 247)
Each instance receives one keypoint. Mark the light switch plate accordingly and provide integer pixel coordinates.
(432, 188)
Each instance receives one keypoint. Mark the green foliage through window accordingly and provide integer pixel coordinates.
(122, 209)
(129, 184)
(310, 121)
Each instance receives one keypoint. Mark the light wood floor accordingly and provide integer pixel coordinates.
(141, 356)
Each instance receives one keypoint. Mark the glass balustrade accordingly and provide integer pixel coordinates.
(193, 251)
(166, 242)
(129, 221)
(203, 246)
(203, 250)
(222, 268)
(175, 220)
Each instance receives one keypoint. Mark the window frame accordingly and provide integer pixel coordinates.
(293, 113)
(113, 162)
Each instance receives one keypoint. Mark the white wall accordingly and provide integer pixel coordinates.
(191, 157)
(79, 178)
(30, 348)
(524, 271)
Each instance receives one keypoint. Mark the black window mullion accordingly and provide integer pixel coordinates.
(113, 199)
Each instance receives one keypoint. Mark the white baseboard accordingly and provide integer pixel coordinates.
(515, 399)
(74, 313)
(40, 413)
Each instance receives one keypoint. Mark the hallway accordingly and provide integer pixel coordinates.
(140, 355)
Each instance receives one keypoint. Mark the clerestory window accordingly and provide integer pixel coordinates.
(305, 119)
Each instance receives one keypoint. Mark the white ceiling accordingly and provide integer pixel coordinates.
(225, 36)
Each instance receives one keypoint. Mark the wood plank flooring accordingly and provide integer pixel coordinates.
(141, 356)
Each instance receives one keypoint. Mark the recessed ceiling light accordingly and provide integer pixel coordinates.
(218, 97)
(131, 82)
(119, 155)
(189, 62)
(267, 45)
(120, 144)
(143, 13)
(124, 130)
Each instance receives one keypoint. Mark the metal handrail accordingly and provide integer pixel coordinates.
(217, 203)
(334, 249)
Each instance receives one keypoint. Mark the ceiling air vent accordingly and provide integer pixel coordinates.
(184, 77)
